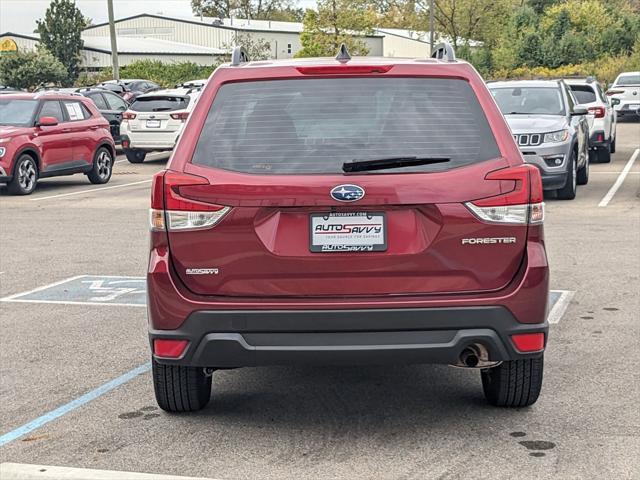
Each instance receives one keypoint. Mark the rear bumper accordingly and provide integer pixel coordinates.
(229, 339)
(227, 332)
(151, 140)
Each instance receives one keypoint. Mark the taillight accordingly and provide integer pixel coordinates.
(172, 212)
(613, 92)
(180, 116)
(598, 112)
(521, 205)
(128, 116)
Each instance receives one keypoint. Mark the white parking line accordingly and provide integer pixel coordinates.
(560, 306)
(24, 471)
(39, 289)
(93, 190)
(612, 191)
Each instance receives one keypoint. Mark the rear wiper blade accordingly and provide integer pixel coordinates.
(390, 162)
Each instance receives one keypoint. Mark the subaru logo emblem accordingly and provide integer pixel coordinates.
(347, 193)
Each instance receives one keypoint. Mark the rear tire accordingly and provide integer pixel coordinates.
(25, 176)
(180, 389)
(515, 383)
(134, 155)
(568, 192)
(102, 167)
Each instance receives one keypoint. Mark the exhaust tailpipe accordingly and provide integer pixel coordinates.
(475, 356)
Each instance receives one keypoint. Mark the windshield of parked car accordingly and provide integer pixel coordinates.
(529, 100)
(316, 125)
(583, 93)
(159, 104)
(17, 113)
(628, 80)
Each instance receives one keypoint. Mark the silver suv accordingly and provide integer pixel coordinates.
(550, 128)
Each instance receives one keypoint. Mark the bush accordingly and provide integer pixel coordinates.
(31, 69)
(164, 74)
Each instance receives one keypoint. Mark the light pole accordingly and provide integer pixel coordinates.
(114, 43)
(431, 33)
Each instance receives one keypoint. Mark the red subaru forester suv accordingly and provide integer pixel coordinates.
(347, 211)
(49, 134)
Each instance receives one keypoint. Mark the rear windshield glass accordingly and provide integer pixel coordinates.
(159, 104)
(315, 125)
(529, 100)
(628, 80)
(17, 113)
(583, 93)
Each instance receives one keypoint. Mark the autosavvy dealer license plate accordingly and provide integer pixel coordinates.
(348, 232)
(153, 123)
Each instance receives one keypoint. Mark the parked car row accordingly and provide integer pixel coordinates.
(63, 131)
(561, 126)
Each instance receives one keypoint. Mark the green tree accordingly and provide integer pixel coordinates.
(30, 70)
(278, 10)
(336, 22)
(257, 48)
(60, 33)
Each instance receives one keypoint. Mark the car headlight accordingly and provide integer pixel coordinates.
(555, 137)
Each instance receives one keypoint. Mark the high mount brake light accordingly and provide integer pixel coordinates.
(172, 212)
(344, 69)
(522, 205)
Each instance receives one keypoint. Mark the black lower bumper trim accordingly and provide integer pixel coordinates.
(553, 181)
(228, 339)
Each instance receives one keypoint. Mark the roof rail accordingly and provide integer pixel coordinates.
(239, 56)
(444, 51)
(343, 54)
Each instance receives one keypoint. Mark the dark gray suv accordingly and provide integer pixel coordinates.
(550, 128)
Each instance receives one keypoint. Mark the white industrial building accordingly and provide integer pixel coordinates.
(203, 40)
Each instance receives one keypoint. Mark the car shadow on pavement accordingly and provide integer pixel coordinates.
(291, 397)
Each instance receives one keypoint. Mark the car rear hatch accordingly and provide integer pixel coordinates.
(158, 113)
(265, 209)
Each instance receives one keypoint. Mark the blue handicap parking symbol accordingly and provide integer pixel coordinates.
(131, 291)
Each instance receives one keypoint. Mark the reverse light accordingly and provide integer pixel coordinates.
(180, 116)
(597, 112)
(169, 347)
(172, 212)
(128, 116)
(520, 206)
(528, 342)
(555, 137)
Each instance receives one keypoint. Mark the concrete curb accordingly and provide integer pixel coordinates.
(22, 471)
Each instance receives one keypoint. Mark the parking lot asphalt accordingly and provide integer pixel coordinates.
(311, 422)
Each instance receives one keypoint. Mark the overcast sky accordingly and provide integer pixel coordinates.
(19, 16)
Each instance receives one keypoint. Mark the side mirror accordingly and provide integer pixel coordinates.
(579, 110)
(47, 122)
(615, 101)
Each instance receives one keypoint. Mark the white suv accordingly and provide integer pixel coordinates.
(601, 118)
(625, 94)
(155, 120)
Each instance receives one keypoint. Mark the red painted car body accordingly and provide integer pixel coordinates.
(250, 290)
(65, 148)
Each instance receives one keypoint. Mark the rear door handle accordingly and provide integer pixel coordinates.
(66, 130)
